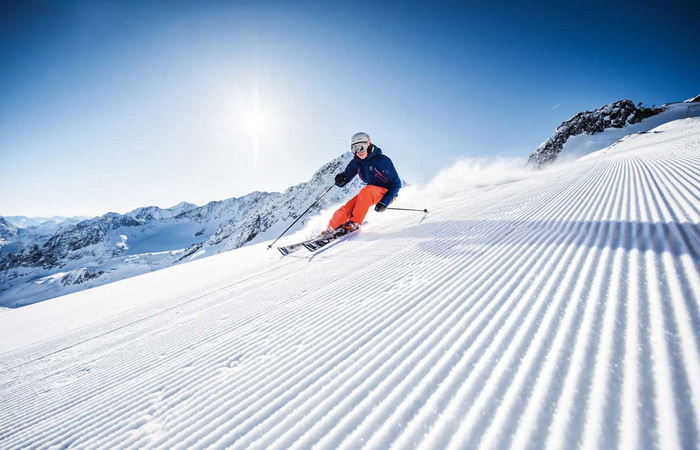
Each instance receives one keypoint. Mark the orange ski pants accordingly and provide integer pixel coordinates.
(356, 209)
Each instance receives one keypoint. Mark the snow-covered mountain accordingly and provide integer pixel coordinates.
(14, 238)
(591, 131)
(32, 231)
(112, 247)
(280, 210)
(28, 222)
(156, 213)
(50, 227)
(8, 232)
(556, 310)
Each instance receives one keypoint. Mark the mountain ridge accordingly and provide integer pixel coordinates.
(620, 115)
(116, 246)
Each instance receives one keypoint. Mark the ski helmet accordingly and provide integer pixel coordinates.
(359, 137)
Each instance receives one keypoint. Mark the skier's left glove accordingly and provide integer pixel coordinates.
(340, 180)
(381, 207)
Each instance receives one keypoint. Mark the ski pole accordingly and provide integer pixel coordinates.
(407, 209)
(302, 215)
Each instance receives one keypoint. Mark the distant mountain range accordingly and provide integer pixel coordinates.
(35, 266)
(590, 131)
(28, 222)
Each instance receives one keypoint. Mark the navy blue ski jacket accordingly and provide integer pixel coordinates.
(376, 169)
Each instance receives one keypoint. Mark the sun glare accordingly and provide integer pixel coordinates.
(255, 121)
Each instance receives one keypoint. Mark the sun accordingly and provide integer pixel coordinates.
(255, 121)
(255, 118)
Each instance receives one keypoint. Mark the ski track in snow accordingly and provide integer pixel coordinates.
(560, 311)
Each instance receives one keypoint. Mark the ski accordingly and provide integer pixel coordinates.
(314, 244)
(287, 249)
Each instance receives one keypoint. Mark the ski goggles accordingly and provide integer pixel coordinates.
(358, 147)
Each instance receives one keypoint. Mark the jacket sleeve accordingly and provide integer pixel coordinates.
(350, 171)
(393, 181)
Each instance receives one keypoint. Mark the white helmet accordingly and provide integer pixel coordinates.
(359, 137)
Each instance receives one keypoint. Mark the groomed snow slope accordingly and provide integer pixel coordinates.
(557, 311)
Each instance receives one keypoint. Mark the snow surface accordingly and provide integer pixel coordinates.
(555, 310)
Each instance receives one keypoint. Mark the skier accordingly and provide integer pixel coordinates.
(375, 169)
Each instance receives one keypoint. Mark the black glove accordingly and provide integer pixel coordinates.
(381, 207)
(340, 180)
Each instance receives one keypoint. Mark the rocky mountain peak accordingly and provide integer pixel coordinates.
(613, 115)
(693, 100)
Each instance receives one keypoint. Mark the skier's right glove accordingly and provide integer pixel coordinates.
(340, 180)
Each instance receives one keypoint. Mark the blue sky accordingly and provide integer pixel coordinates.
(111, 105)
